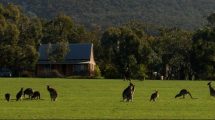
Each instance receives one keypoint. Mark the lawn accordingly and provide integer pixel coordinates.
(101, 99)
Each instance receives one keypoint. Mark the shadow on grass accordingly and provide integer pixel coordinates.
(25, 99)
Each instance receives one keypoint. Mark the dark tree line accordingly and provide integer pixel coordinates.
(152, 52)
(149, 51)
(19, 36)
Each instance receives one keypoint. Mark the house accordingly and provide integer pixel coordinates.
(78, 61)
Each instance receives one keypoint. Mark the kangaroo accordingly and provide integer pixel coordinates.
(127, 74)
(29, 92)
(212, 91)
(154, 96)
(183, 92)
(128, 93)
(36, 95)
(19, 95)
(52, 92)
(7, 97)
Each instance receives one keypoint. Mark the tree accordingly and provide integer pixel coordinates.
(203, 53)
(19, 38)
(58, 29)
(123, 46)
(174, 47)
(211, 19)
(58, 51)
(118, 44)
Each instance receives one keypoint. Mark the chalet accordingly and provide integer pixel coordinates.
(78, 61)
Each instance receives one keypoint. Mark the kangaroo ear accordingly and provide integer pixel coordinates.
(131, 84)
(209, 83)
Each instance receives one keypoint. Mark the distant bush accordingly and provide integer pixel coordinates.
(79, 77)
(111, 72)
(141, 73)
(84, 77)
(97, 72)
(50, 74)
(26, 74)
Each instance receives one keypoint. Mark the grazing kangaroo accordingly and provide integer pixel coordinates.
(29, 92)
(128, 93)
(19, 95)
(212, 91)
(7, 97)
(52, 92)
(36, 95)
(183, 92)
(154, 96)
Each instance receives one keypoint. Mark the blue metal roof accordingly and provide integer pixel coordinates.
(79, 51)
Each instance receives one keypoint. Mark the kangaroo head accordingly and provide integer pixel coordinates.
(131, 84)
(209, 83)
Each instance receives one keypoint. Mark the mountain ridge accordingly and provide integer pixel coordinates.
(186, 14)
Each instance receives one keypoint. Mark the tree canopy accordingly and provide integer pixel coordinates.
(148, 50)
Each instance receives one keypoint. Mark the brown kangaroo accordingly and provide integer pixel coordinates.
(183, 92)
(154, 96)
(212, 91)
(29, 92)
(127, 74)
(7, 97)
(128, 93)
(19, 95)
(52, 92)
(36, 95)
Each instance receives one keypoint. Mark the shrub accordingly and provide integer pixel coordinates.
(141, 72)
(111, 72)
(26, 74)
(97, 72)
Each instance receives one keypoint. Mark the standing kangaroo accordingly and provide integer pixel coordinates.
(19, 95)
(127, 74)
(183, 92)
(154, 96)
(128, 93)
(212, 91)
(52, 92)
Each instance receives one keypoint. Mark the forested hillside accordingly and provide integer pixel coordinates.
(143, 49)
(188, 14)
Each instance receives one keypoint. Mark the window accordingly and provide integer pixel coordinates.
(78, 68)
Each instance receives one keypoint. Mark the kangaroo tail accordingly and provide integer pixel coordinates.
(178, 95)
(190, 95)
(150, 99)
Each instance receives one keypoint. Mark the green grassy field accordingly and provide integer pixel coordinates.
(101, 99)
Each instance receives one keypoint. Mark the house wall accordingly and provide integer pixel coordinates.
(81, 69)
(67, 69)
(91, 68)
